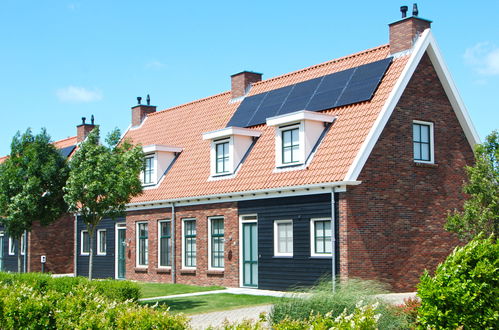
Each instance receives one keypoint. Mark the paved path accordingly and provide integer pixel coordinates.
(215, 319)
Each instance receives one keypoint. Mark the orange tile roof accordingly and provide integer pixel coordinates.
(70, 141)
(182, 126)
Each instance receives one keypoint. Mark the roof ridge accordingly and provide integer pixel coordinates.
(68, 138)
(189, 103)
(336, 60)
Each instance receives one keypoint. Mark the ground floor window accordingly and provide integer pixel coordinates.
(142, 244)
(101, 241)
(12, 247)
(320, 237)
(216, 242)
(283, 238)
(85, 242)
(189, 242)
(165, 243)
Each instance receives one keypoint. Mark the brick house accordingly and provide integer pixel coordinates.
(245, 188)
(56, 241)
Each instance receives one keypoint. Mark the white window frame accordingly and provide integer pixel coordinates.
(230, 147)
(159, 242)
(210, 219)
(276, 239)
(432, 139)
(83, 253)
(183, 243)
(279, 144)
(313, 253)
(99, 252)
(12, 248)
(154, 170)
(23, 243)
(137, 252)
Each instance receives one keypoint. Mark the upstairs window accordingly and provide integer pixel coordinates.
(158, 159)
(222, 157)
(422, 140)
(290, 145)
(148, 170)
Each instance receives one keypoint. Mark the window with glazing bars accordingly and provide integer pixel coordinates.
(421, 142)
(148, 170)
(222, 157)
(284, 237)
(101, 240)
(290, 146)
(322, 237)
(143, 250)
(165, 244)
(85, 242)
(190, 243)
(217, 243)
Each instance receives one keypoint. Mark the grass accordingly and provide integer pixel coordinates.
(214, 302)
(149, 290)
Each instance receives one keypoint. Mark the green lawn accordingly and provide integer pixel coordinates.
(149, 290)
(214, 302)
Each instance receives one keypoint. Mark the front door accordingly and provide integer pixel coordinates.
(1, 251)
(121, 247)
(250, 254)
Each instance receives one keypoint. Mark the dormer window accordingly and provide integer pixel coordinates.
(297, 135)
(158, 159)
(229, 146)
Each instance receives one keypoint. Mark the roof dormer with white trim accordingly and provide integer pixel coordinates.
(157, 160)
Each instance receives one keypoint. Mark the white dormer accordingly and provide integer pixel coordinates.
(228, 148)
(296, 135)
(157, 160)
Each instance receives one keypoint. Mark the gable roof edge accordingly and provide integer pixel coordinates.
(426, 42)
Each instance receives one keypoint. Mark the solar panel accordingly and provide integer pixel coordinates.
(334, 90)
(65, 152)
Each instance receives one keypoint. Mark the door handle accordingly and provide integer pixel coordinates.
(259, 256)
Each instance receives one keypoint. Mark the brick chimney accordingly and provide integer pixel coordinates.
(242, 81)
(140, 111)
(405, 32)
(84, 129)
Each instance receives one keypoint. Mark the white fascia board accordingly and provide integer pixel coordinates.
(311, 189)
(160, 148)
(426, 42)
(299, 116)
(230, 131)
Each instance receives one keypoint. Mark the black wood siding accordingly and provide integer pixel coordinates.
(301, 270)
(9, 261)
(103, 265)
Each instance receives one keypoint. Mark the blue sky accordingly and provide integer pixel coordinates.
(61, 60)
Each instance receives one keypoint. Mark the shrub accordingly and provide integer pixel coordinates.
(321, 300)
(464, 290)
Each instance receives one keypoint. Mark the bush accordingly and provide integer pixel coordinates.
(322, 301)
(115, 290)
(464, 290)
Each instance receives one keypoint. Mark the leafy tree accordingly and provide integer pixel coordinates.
(481, 210)
(31, 185)
(102, 180)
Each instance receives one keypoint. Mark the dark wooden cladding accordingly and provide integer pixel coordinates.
(104, 266)
(300, 270)
(9, 261)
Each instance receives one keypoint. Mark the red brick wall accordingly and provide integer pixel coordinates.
(392, 225)
(56, 241)
(201, 276)
(404, 32)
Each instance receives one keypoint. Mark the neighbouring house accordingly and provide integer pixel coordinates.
(347, 166)
(56, 241)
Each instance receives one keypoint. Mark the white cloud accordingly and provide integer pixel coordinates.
(484, 57)
(78, 94)
(155, 65)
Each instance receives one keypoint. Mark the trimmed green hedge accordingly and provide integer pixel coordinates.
(112, 289)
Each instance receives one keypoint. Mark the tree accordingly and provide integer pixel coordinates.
(102, 180)
(31, 185)
(481, 210)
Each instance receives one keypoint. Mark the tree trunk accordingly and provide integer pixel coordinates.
(19, 259)
(91, 232)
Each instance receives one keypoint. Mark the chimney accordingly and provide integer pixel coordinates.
(84, 129)
(404, 33)
(242, 81)
(140, 111)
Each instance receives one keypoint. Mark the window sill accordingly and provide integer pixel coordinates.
(283, 257)
(215, 272)
(101, 254)
(163, 270)
(140, 269)
(188, 271)
(427, 165)
(318, 256)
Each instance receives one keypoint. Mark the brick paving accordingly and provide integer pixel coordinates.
(215, 319)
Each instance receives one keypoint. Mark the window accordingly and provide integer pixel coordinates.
(216, 241)
(222, 157)
(148, 170)
(143, 244)
(290, 146)
(85, 243)
(189, 243)
(320, 237)
(23, 244)
(422, 140)
(101, 242)
(165, 244)
(12, 247)
(283, 238)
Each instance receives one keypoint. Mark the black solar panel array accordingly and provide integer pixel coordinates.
(65, 152)
(334, 90)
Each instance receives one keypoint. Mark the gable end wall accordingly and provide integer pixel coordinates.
(391, 226)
